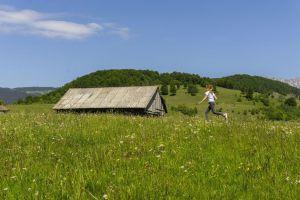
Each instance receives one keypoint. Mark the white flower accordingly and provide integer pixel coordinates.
(105, 196)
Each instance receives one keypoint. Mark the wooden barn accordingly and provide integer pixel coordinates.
(135, 100)
(3, 109)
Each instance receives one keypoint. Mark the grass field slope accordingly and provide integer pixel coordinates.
(48, 155)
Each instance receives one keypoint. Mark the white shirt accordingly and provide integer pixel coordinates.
(210, 96)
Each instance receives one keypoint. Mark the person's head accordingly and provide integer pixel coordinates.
(209, 87)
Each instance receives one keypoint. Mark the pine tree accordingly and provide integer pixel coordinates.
(173, 89)
(249, 94)
(164, 89)
(192, 89)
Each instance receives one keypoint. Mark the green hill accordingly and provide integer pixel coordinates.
(130, 77)
(119, 77)
(245, 82)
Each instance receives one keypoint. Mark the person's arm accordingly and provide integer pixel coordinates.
(203, 99)
(215, 96)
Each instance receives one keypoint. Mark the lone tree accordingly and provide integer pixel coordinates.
(173, 89)
(291, 102)
(192, 89)
(215, 88)
(249, 94)
(164, 89)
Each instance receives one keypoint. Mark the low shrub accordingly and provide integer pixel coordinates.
(265, 101)
(291, 102)
(282, 112)
(185, 110)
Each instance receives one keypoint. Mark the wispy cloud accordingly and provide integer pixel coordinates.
(48, 25)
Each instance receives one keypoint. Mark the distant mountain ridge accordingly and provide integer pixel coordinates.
(35, 91)
(11, 95)
(295, 82)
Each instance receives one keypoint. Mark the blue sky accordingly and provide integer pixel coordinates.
(48, 43)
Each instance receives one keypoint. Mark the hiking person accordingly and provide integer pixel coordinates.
(211, 97)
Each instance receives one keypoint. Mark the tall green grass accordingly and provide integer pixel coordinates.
(45, 155)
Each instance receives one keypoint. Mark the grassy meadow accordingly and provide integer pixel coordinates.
(45, 155)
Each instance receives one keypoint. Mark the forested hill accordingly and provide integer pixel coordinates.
(246, 82)
(131, 77)
(120, 77)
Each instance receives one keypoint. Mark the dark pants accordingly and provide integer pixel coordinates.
(211, 107)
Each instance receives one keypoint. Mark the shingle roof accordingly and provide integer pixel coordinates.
(108, 97)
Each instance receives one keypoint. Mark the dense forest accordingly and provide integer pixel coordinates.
(246, 82)
(131, 77)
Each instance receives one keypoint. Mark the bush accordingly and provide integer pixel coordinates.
(282, 112)
(192, 89)
(291, 102)
(265, 101)
(239, 99)
(249, 94)
(254, 111)
(185, 110)
(276, 114)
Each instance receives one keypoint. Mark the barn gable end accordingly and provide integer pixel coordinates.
(156, 105)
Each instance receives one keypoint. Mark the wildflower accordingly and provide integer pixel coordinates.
(287, 178)
(5, 189)
(105, 196)
(182, 167)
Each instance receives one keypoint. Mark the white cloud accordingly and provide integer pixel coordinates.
(123, 32)
(42, 24)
